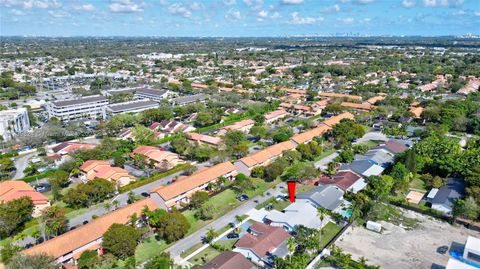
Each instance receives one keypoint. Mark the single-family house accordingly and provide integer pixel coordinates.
(442, 199)
(263, 243)
(294, 215)
(229, 260)
(11, 190)
(393, 146)
(379, 156)
(309, 135)
(329, 197)
(336, 119)
(364, 168)
(346, 180)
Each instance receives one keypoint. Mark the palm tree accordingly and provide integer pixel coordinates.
(321, 216)
(115, 204)
(107, 206)
(210, 235)
(291, 246)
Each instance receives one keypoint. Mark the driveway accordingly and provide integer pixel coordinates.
(323, 163)
(21, 163)
(372, 136)
(221, 222)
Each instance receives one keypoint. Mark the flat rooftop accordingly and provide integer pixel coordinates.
(132, 105)
(84, 100)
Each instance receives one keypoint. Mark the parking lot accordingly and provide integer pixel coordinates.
(399, 248)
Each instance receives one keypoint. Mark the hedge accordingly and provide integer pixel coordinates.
(153, 178)
(38, 176)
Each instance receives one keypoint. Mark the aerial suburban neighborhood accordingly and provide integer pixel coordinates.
(279, 147)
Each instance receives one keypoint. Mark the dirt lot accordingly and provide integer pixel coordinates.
(399, 248)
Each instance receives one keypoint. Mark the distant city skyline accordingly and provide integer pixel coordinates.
(239, 18)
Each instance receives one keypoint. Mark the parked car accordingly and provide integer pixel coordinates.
(85, 222)
(232, 224)
(232, 236)
(242, 197)
(442, 249)
(145, 194)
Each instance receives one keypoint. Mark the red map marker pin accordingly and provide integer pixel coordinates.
(291, 190)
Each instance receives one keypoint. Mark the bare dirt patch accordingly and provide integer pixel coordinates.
(400, 248)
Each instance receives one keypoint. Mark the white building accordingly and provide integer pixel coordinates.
(13, 121)
(151, 94)
(129, 107)
(470, 258)
(90, 107)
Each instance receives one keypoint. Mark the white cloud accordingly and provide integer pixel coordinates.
(229, 2)
(17, 12)
(262, 14)
(58, 13)
(233, 15)
(292, 2)
(248, 2)
(125, 6)
(163, 2)
(408, 3)
(84, 7)
(275, 15)
(298, 20)
(196, 6)
(29, 4)
(347, 20)
(332, 9)
(476, 13)
(179, 9)
(444, 3)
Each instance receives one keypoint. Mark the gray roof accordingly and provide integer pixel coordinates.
(84, 100)
(326, 196)
(132, 105)
(379, 156)
(189, 98)
(454, 189)
(360, 167)
(148, 91)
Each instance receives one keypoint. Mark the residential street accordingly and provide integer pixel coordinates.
(196, 237)
(21, 163)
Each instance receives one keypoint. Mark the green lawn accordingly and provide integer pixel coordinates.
(328, 232)
(191, 250)
(205, 256)
(149, 248)
(325, 153)
(225, 202)
(418, 184)
(277, 205)
(226, 244)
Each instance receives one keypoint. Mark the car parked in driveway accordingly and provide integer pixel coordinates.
(242, 197)
(233, 236)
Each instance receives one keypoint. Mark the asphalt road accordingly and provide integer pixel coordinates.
(221, 222)
(323, 163)
(21, 163)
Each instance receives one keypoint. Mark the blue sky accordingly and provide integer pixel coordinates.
(238, 17)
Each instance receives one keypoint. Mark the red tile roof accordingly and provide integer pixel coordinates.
(12, 190)
(268, 239)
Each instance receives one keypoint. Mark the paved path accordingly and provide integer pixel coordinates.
(372, 136)
(221, 222)
(21, 163)
(323, 163)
